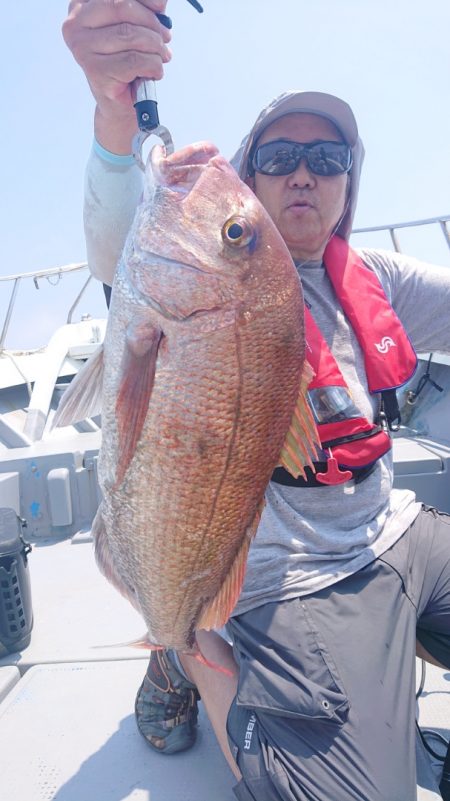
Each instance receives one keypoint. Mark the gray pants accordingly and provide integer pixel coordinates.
(325, 709)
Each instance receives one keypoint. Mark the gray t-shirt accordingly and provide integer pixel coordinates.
(307, 538)
(310, 538)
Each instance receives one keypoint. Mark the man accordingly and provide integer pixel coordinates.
(344, 570)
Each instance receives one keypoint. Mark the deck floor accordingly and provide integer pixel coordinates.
(67, 729)
(71, 736)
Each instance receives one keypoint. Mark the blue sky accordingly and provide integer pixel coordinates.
(389, 59)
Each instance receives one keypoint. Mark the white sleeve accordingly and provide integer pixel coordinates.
(112, 191)
(420, 294)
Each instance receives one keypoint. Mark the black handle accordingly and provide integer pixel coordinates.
(164, 20)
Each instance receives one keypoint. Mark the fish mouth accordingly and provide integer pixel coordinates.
(145, 299)
(145, 255)
(181, 170)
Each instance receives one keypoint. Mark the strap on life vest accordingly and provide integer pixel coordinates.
(389, 357)
(351, 443)
(390, 410)
(282, 476)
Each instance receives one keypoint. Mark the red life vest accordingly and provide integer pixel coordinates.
(348, 439)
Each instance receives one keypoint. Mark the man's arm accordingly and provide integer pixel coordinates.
(112, 191)
(420, 295)
(115, 42)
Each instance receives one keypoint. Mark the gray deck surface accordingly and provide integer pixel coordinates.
(67, 729)
(76, 610)
(67, 733)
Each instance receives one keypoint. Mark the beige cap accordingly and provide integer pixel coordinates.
(329, 106)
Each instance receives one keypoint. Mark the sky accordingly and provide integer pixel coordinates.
(389, 59)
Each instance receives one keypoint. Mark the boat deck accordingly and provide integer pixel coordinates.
(67, 729)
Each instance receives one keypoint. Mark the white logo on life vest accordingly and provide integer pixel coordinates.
(385, 344)
(249, 732)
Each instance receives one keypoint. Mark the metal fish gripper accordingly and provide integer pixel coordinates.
(146, 106)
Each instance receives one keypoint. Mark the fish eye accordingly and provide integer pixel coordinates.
(237, 232)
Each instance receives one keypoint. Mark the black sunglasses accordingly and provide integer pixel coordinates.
(281, 157)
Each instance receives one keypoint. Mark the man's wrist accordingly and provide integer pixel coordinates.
(118, 159)
(114, 130)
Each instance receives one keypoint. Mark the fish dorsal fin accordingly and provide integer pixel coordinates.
(302, 437)
(138, 376)
(83, 397)
(217, 612)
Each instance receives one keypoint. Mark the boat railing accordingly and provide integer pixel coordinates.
(35, 276)
(59, 272)
(392, 229)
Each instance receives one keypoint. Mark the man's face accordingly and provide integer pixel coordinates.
(305, 207)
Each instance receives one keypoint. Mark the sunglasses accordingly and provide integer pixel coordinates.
(282, 157)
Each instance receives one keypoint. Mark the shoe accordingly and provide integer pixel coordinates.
(166, 706)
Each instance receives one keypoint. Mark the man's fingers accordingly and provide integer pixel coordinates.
(123, 68)
(115, 42)
(105, 13)
(158, 6)
(123, 38)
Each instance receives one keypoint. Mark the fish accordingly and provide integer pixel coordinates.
(202, 383)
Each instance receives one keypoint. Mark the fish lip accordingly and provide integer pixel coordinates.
(147, 300)
(143, 254)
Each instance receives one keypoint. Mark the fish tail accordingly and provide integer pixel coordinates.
(145, 644)
(142, 643)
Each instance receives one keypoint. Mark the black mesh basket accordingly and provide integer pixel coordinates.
(16, 614)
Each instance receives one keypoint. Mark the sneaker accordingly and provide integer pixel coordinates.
(166, 706)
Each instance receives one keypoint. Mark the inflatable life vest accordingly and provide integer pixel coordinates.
(351, 444)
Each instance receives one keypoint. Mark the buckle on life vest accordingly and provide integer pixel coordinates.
(333, 474)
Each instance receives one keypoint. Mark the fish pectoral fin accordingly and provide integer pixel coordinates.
(138, 376)
(83, 397)
(302, 437)
(105, 561)
(217, 612)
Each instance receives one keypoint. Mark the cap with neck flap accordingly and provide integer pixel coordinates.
(325, 105)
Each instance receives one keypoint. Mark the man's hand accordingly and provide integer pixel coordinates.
(115, 42)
